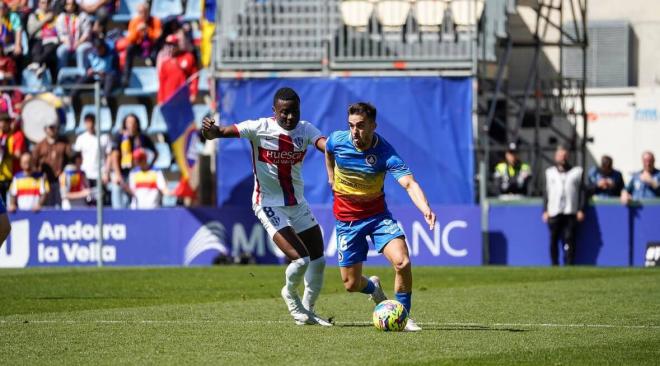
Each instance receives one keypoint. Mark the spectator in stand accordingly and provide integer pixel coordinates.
(7, 68)
(6, 154)
(563, 205)
(49, 157)
(75, 32)
(644, 184)
(101, 64)
(43, 37)
(182, 31)
(74, 187)
(10, 31)
(605, 181)
(19, 145)
(143, 32)
(147, 185)
(87, 145)
(29, 188)
(124, 144)
(5, 225)
(176, 70)
(101, 10)
(512, 175)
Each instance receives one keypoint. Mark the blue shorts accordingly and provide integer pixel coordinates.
(352, 244)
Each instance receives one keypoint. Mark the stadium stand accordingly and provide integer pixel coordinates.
(193, 10)
(105, 121)
(166, 8)
(143, 82)
(127, 10)
(200, 111)
(70, 124)
(157, 125)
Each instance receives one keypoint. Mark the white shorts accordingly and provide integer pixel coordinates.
(299, 217)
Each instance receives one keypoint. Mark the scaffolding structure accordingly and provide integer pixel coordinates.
(546, 108)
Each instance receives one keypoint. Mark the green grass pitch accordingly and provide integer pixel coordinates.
(234, 315)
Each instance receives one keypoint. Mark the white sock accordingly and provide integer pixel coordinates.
(313, 282)
(294, 274)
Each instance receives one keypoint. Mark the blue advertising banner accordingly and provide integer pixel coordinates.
(518, 236)
(175, 237)
(428, 120)
(646, 223)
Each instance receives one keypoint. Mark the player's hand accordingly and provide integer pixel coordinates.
(545, 216)
(36, 207)
(430, 219)
(580, 216)
(209, 128)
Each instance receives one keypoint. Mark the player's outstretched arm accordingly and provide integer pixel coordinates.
(418, 197)
(330, 168)
(320, 144)
(211, 131)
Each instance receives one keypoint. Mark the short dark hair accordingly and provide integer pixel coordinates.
(363, 109)
(286, 94)
(89, 116)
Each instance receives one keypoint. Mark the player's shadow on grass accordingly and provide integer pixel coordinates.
(446, 327)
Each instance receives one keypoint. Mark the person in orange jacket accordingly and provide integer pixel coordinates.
(143, 32)
(175, 70)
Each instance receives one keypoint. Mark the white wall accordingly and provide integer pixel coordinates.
(643, 15)
(624, 123)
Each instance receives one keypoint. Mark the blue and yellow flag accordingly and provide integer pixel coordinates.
(208, 29)
(178, 114)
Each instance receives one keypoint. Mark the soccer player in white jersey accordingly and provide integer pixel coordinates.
(279, 144)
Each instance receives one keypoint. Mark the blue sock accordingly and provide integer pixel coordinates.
(405, 298)
(369, 289)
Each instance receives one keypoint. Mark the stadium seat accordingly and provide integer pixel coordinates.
(392, 13)
(463, 12)
(33, 84)
(70, 123)
(106, 118)
(143, 82)
(124, 110)
(200, 111)
(67, 76)
(164, 156)
(166, 8)
(158, 124)
(356, 13)
(170, 201)
(204, 80)
(429, 13)
(127, 10)
(193, 11)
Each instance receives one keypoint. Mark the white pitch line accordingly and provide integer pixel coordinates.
(433, 324)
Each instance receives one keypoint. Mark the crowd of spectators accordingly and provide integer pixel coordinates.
(42, 37)
(511, 179)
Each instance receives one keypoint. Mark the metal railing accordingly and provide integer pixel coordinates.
(321, 35)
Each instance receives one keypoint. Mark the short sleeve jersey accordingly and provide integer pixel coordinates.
(277, 158)
(147, 186)
(360, 175)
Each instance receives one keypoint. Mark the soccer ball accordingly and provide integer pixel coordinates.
(390, 316)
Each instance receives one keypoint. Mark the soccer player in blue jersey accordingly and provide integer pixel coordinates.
(356, 161)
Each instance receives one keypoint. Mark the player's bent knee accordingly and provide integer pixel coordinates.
(402, 265)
